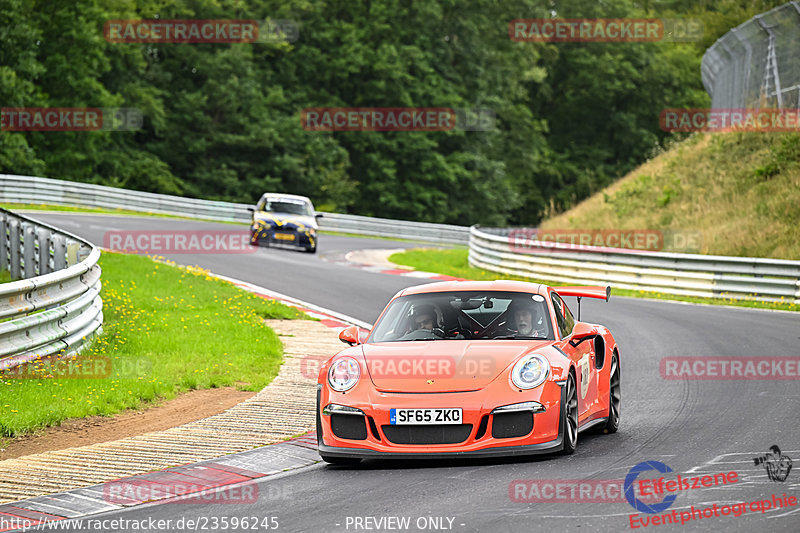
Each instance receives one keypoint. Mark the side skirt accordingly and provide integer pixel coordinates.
(592, 423)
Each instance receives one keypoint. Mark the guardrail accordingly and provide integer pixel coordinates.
(712, 276)
(33, 190)
(54, 308)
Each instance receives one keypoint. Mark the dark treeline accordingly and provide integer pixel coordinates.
(222, 121)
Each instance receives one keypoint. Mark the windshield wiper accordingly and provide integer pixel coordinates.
(518, 338)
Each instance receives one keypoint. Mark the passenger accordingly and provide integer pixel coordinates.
(528, 319)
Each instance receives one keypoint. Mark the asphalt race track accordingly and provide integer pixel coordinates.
(694, 426)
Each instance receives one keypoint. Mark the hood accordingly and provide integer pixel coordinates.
(287, 221)
(442, 365)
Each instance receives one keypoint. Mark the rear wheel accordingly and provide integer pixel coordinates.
(615, 397)
(571, 417)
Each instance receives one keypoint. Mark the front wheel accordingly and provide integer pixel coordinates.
(614, 398)
(311, 249)
(570, 417)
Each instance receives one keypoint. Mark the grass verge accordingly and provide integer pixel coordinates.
(740, 191)
(454, 262)
(166, 330)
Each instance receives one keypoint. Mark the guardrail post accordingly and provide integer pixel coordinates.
(44, 251)
(72, 253)
(29, 250)
(59, 252)
(3, 243)
(13, 249)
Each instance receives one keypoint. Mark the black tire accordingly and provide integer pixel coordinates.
(351, 461)
(615, 397)
(570, 419)
(311, 249)
(262, 243)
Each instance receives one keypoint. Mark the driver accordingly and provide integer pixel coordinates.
(423, 316)
(528, 319)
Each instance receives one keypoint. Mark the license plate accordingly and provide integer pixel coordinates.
(284, 236)
(424, 416)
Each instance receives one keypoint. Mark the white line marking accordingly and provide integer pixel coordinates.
(273, 294)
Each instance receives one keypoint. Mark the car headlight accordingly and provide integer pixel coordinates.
(344, 374)
(530, 371)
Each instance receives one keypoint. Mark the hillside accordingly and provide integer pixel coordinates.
(740, 190)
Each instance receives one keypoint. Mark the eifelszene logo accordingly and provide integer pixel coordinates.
(776, 464)
(638, 504)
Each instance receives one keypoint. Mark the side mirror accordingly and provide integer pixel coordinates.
(251, 209)
(350, 335)
(318, 215)
(581, 332)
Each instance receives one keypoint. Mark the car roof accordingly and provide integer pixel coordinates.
(281, 195)
(498, 285)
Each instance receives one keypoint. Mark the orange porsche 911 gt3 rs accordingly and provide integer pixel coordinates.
(469, 369)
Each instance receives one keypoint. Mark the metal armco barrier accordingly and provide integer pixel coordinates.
(739, 278)
(33, 190)
(54, 308)
(490, 249)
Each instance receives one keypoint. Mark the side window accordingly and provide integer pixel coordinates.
(563, 316)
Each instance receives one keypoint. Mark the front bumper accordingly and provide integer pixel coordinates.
(499, 451)
(546, 436)
(270, 236)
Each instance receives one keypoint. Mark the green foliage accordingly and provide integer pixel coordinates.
(782, 157)
(222, 121)
(166, 330)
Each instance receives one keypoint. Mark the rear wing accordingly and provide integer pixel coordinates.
(603, 293)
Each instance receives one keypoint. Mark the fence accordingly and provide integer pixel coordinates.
(757, 64)
(33, 190)
(712, 276)
(54, 307)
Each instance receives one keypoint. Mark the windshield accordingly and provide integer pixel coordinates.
(282, 205)
(464, 315)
